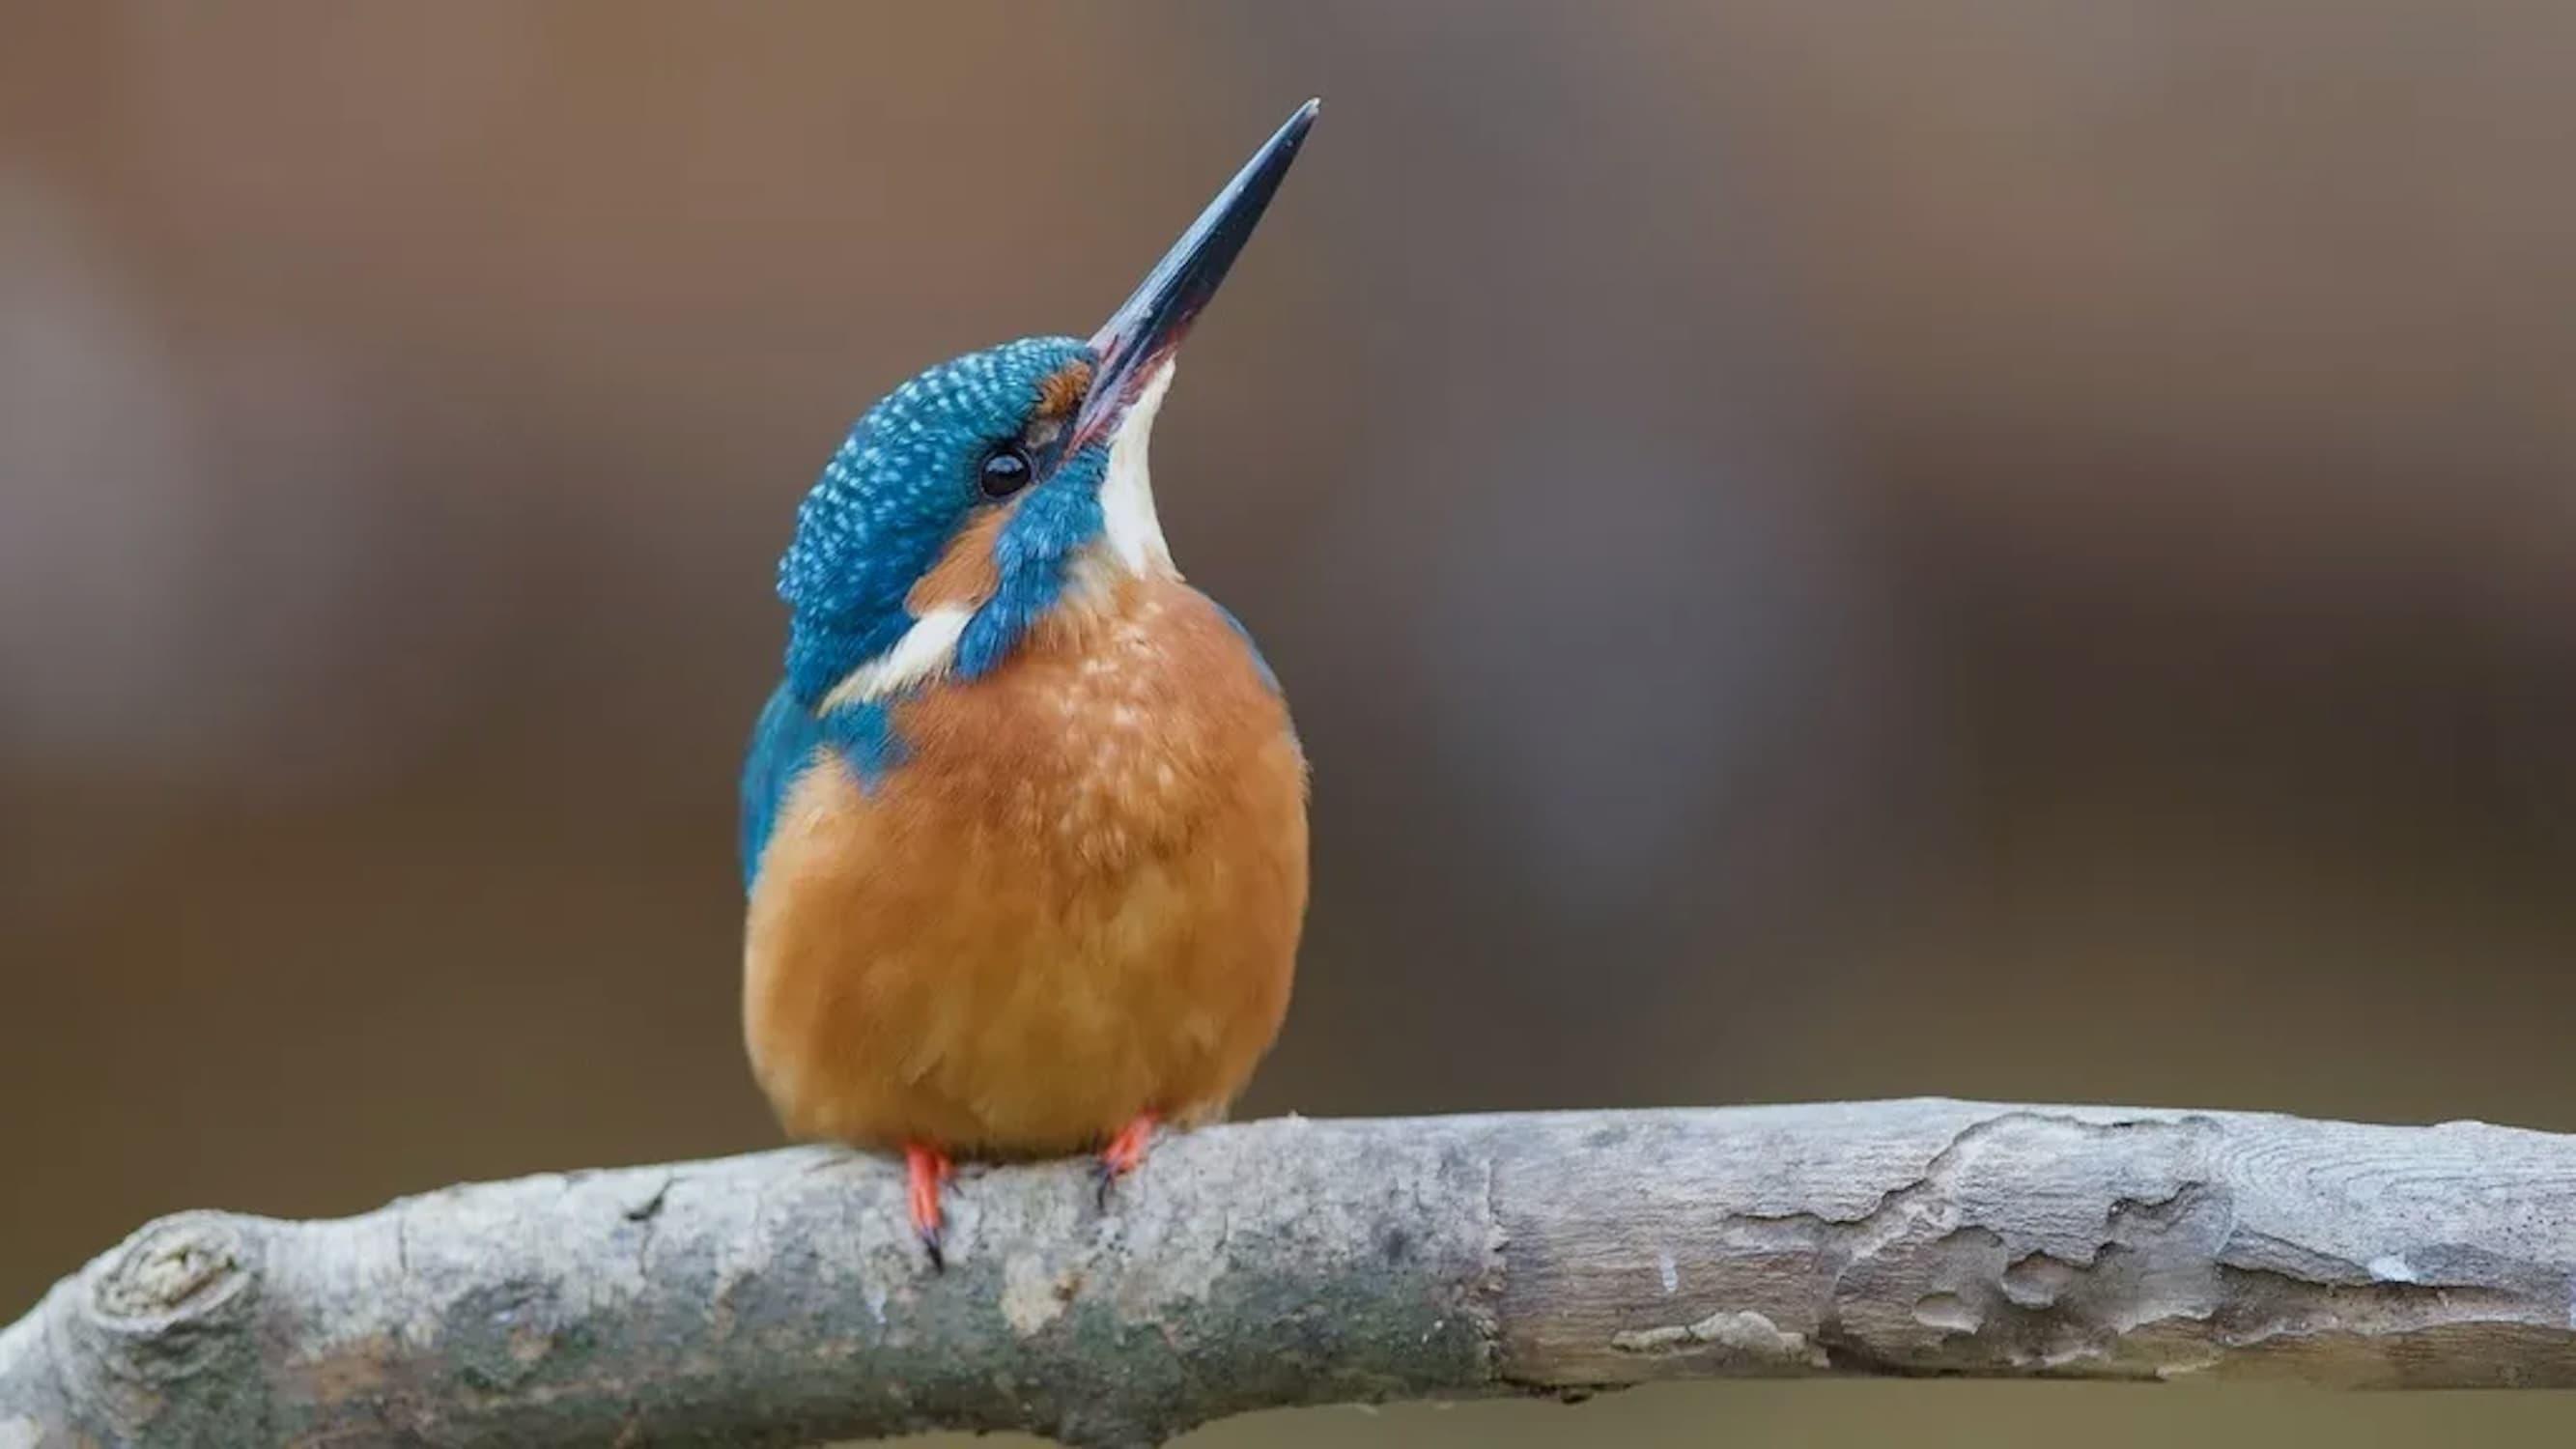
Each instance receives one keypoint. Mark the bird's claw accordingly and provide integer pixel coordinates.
(925, 1169)
(1124, 1154)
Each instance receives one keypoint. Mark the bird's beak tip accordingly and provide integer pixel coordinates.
(1145, 332)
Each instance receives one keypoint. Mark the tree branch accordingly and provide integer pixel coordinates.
(779, 1299)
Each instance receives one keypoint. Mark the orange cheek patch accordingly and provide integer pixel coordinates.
(1063, 391)
(965, 575)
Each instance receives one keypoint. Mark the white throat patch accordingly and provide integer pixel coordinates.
(1133, 534)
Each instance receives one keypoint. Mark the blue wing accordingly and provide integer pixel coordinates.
(781, 746)
(788, 739)
(1258, 662)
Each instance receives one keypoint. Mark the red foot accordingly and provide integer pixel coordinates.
(925, 1168)
(1126, 1151)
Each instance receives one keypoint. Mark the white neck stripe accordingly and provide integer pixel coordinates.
(924, 653)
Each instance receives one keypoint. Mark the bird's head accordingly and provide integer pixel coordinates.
(972, 499)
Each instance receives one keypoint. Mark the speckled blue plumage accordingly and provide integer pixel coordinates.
(901, 485)
(890, 498)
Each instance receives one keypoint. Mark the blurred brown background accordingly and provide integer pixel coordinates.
(2006, 549)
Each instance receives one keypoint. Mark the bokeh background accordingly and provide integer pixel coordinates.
(2008, 549)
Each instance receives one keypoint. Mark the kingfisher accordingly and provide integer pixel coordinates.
(1023, 827)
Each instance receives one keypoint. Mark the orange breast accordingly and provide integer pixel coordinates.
(1077, 899)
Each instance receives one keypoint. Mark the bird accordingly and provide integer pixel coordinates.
(1023, 824)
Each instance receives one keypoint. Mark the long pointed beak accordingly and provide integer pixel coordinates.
(1145, 332)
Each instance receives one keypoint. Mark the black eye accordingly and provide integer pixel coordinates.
(1006, 471)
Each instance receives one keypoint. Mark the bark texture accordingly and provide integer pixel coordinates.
(779, 1299)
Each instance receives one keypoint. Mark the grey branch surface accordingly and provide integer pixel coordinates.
(779, 1298)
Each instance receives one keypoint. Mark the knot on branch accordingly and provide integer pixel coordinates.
(152, 1343)
(189, 1266)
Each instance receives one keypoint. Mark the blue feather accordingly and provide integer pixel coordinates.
(864, 737)
(790, 739)
(1252, 644)
(781, 745)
